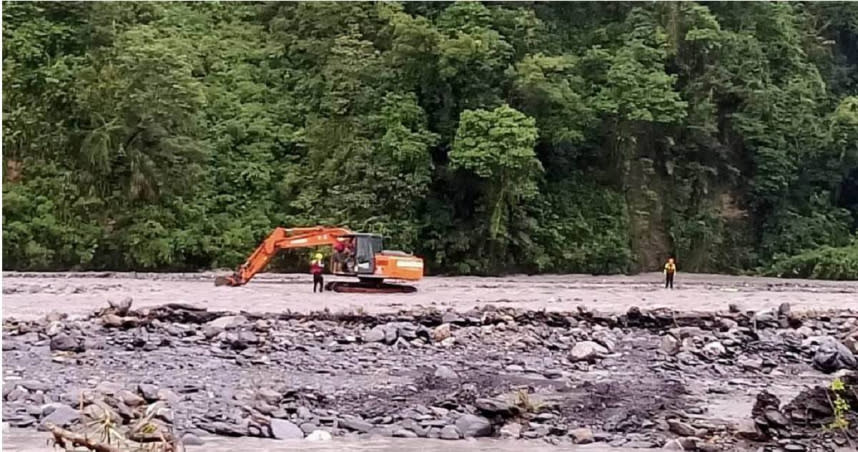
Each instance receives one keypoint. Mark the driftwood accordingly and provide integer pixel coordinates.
(61, 436)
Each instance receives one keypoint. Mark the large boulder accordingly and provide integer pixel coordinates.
(283, 429)
(832, 356)
(473, 426)
(67, 343)
(60, 415)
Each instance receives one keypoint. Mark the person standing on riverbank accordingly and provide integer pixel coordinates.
(669, 272)
(316, 268)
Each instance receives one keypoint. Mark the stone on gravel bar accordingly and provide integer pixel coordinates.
(376, 334)
(319, 435)
(587, 351)
(283, 429)
(581, 435)
(441, 332)
(832, 356)
(355, 423)
(148, 391)
(450, 432)
(189, 439)
(446, 373)
(66, 343)
(473, 426)
(60, 415)
(228, 322)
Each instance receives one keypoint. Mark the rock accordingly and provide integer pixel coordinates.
(403, 433)
(669, 344)
(714, 350)
(283, 429)
(16, 394)
(494, 407)
(319, 435)
(473, 426)
(189, 439)
(581, 435)
(111, 320)
(727, 324)
(210, 331)
(681, 428)
(55, 327)
(355, 423)
(446, 373)
(66, 343)
(451, 317)
(228, 322)
(376, 334)
(33, 385)
(450, 432)
(131, 399)
(775, 418)
(784, 310)
(248, 337)
(308, 427)
(832, 356)
(269, 395)
(99, 411)
(61, 415)
(766, 318)
(148, 391)
(511, 430)
(121, 307)
(587, 351)
(441, 332)
(606, 339)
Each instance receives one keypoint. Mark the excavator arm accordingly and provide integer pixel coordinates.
(280, 239)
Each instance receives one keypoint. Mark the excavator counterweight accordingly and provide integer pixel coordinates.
(368, 261)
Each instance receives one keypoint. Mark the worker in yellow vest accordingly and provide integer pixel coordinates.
(669, 271)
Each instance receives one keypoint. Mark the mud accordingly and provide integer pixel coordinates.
(29, 295)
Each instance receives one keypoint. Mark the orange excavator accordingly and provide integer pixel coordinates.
(367, 260)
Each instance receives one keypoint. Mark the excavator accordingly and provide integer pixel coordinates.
(369, 262)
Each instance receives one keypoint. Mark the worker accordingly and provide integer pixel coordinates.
(350, 260)
(316, 268)
(339, 256)
(669, 272)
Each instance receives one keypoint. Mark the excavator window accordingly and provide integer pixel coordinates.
(366, 249)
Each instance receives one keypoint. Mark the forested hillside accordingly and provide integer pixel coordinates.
(487, 138)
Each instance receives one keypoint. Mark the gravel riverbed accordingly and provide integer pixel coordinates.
(644, 377)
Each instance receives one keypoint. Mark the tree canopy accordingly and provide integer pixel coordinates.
(486, 137)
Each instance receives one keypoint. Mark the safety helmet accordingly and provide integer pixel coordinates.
(318, 256)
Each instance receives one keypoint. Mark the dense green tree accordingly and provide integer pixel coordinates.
(486, 137)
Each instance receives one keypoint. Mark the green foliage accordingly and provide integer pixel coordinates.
(497, 147)
(826, 262)
(549, 137)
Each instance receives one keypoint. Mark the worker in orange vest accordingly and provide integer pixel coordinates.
(669, 271)
(316, 268)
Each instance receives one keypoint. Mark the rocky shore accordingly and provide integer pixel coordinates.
(647, 379)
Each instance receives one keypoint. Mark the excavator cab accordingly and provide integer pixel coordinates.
(364, 247)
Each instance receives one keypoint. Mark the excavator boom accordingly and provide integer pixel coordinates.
(280, 239)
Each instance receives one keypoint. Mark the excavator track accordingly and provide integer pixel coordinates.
(364, 287)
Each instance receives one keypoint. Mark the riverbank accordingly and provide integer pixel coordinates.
(644, 378)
